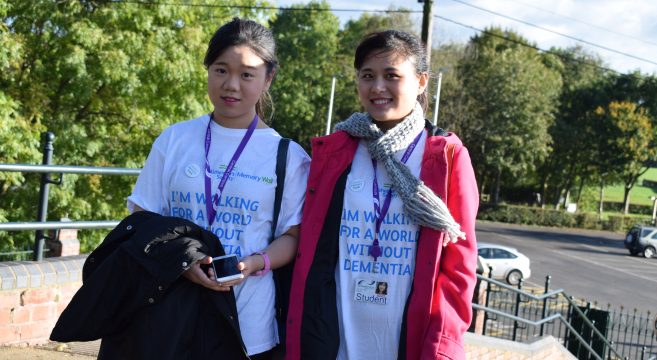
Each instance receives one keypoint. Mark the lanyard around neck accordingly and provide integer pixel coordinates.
(381, 211)
(212, 201)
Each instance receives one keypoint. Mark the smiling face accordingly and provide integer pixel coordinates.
(388, 85)
(236, 79)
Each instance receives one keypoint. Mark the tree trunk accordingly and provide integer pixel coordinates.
(564, 192)
(543, 191)
(602, 186)
(580, 188)
(629, 184)
(626, 199)
(496, 190)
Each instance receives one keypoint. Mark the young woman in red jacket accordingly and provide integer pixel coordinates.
(389, 199)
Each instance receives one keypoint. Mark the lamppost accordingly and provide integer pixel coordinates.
(437, 104)
(330, 109)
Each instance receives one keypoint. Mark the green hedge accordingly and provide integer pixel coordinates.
(556, 218)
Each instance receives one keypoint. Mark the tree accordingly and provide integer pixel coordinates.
(573, 150)
(631, 144)
(355, 30)
(633, 88)
(307, 50)
(18, 138)
(454, 110)
(513, 95)
(106, 78)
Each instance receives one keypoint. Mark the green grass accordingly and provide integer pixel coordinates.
(639, 195)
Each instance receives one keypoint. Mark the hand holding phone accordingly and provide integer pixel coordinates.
(225, 268)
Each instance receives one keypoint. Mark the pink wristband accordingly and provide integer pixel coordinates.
(267, 267)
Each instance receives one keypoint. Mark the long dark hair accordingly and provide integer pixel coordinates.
(241, 32)
(397, 42)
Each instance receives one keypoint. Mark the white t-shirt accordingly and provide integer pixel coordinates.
(172, 183)
(371, 295)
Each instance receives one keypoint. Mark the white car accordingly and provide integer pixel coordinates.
(507, 262)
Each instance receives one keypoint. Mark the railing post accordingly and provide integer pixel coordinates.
(488, 287)
(547, 289)
(581, 329)
(569, 319)
(591, 334)
(517, 311)
(42, 212)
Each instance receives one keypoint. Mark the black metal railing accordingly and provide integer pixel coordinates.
(511, 313)
(526, 315)
(46, 169)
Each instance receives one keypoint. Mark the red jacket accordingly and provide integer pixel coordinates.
(438, 310)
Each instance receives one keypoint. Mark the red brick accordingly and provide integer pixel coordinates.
(38, 296)
(68, 234)
(66, 292)
(10, 299)
(35, 333)
(64, 301)
(20, 315)
(8, 334)
(60, 308)
(70, 247)
(44, 312)
(5, 316)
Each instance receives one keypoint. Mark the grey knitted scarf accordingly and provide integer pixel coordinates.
(420, 202)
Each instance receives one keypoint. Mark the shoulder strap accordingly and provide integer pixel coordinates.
(449, 152)
(282, 275)
(434, 130)
(281, 164)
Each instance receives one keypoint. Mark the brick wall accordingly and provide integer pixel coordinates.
(33, 294)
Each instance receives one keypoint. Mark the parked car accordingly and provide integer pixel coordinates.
(642, 239)
(508, 263)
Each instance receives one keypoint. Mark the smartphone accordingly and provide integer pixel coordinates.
(225, 268)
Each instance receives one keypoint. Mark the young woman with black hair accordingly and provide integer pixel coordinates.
(218, 171)
(390, 199)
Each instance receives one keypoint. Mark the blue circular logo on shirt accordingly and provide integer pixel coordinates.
(356, 185)
(192, 170)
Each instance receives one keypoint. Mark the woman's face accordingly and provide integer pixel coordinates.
(388, 85)
(236, 79)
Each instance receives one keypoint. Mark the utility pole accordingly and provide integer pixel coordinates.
(427, 26)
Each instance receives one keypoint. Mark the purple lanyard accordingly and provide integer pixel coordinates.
(380, 212)
(211, 201)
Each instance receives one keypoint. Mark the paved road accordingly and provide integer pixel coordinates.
(591, 265)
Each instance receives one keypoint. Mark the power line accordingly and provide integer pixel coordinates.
(153, 3)
(561, 56)
(586, 23)
(555, 32)
(224, 6)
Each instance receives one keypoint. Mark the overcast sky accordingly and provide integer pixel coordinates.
(621, 32)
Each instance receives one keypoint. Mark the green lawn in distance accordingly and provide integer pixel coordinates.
(639, 195)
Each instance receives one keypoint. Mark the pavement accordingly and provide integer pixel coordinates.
(52, 351)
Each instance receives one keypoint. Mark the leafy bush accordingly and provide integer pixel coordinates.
(634, 208)
(556, 218)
